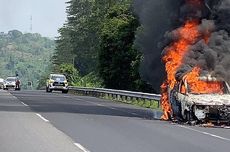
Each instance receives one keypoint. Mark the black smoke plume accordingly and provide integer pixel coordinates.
(156, 18)
(159, 19)
(213, 57)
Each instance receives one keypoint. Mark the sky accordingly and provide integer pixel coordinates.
(47, 16)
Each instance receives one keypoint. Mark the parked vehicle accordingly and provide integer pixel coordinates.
(1, 83)
(10, 83)
(202, 107)
(57, 82)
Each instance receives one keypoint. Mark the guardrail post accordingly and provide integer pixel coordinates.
(123, 98)
(119, 98)
(129, 99)
(158, 104)
(101, 95)
(114, 97)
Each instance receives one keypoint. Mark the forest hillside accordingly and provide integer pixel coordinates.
(26, 54)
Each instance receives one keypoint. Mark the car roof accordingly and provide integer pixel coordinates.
(57, 75)
(11, 78)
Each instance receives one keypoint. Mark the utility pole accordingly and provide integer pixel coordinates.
(31, 23)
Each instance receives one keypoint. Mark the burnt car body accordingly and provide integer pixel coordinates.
(192, 107)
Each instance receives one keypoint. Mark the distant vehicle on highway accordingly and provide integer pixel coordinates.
(57, 82)
(11, 83)
(1, 83)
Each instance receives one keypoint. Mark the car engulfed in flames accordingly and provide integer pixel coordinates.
(196, 61)
(211, 104)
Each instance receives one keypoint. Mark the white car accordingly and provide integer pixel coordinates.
(9, 83)
(57, 82)
(1, 83)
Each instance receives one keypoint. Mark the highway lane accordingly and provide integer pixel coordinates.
(103, 126)
(21, 130)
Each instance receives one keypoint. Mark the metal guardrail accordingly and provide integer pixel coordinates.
(117, 94)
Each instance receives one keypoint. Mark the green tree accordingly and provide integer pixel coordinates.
(70, 72)
(116, 48)
(79, 37)
(98, 40)
(27, 54)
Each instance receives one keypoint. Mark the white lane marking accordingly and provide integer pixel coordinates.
(40, 116)
(81, 147)
(98, 104)
(205, 133)
(133, 113)
(24, 104)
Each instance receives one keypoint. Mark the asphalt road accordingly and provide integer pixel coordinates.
(97, 125)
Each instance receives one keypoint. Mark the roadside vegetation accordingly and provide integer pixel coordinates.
(27, 54)
(96, 46)
(152, 104)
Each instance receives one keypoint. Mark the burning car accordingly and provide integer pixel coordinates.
(196, 59)
(211, 103)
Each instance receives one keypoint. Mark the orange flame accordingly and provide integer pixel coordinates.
(165, 102)
(173, 59)
(202, 87)
(188, 34)
(175, 53)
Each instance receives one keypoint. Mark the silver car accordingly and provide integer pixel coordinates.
(9, 83)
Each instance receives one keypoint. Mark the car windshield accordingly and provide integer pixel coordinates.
(10, 79)
(58, 78)
(209, 87)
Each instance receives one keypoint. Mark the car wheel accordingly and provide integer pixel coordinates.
(48, 89)
(64, 91)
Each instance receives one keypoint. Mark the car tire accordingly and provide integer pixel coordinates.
(17, 89)
(65, 91)
(48, 89)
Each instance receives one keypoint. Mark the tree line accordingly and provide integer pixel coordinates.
(96, 45)
(27, 55)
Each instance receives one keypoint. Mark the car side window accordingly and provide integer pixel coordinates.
(182, 88)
